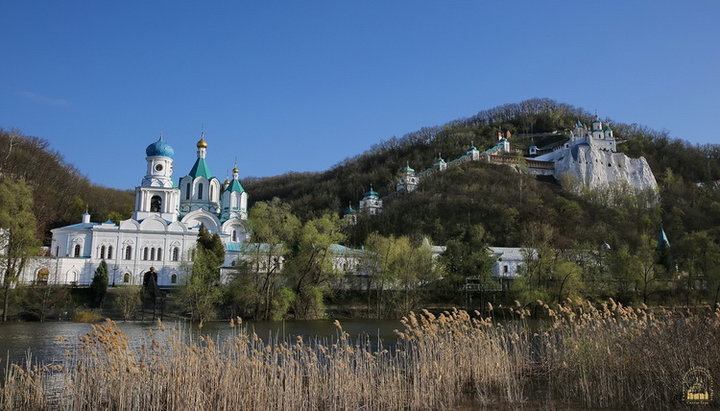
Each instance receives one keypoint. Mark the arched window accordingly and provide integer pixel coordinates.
(173, 279)
(200, 191)
(152, 253)
(77, 250)
(42, 276)
(57, 251)
(156, 204)
(187, 191)
(128, 253)
(234, 235)
(145, 253)
(159, 254)
(102, 252)
(126, 278)
(110, 250)
(175, 254)
(192, 254)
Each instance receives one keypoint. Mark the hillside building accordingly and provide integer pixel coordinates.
(371, 203)
(408, 180)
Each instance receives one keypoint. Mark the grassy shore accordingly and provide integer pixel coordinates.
(594, 356)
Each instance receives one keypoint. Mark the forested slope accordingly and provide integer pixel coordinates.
(502, 200)
(60, 192)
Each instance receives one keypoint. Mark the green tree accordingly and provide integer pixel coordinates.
(396, 264)
(625, 272)
(100, 283)
(18, 236)
(414, 270)
(309, 266)
(466, 256)
(202, 291)
(258, 274)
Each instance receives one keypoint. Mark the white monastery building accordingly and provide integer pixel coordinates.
(162, 232)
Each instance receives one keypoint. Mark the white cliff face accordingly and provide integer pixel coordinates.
(598, 168)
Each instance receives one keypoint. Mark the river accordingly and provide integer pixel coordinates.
(40, 340)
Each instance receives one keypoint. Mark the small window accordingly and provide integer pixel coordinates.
(126, 278)
(159, 254)
(57, 251)
(173, 279)
(200, 191)
(505, 269)
(145, 253)
(152, 254)
(234, 235)
(175, 254)
(102, 252)
(156, 204)
(187, 191)
(128, 253)
(77, 250)
(110, 252)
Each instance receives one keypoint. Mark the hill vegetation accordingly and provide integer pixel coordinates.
(60, 192)
(502, 200)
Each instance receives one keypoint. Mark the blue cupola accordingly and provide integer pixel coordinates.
(159, 148)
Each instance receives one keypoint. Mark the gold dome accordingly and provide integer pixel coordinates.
(235, 170)
(227, 182)
(202, 143)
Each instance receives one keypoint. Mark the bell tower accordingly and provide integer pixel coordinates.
(156, 195)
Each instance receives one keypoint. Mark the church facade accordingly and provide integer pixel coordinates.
(162, 233)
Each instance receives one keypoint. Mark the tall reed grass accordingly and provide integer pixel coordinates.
(605, 356)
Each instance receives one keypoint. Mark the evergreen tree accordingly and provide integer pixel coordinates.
(100, 283)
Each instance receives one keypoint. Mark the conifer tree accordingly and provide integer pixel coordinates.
(100, 283)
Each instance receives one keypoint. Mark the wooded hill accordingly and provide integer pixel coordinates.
(503, 201)
(60, 191)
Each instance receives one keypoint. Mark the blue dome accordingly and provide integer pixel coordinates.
(159, 148)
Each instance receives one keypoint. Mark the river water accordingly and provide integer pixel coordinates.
(39, 341)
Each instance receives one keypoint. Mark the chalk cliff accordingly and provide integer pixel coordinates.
(596, 167)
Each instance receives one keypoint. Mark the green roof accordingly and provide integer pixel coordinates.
(201, 169)
(235, 186)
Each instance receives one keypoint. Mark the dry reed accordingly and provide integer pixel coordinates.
(605, 356)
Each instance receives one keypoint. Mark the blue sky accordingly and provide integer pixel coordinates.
(301, 85)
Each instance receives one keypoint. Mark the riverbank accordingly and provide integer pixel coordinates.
(606, 356)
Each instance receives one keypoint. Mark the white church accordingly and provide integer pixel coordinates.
(162, 233)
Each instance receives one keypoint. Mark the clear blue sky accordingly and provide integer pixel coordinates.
(301, 85)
